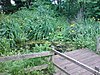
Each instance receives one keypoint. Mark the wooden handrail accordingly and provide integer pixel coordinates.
(76, 62)
(25, 56)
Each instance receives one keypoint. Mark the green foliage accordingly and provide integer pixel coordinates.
(35, 24)
(83, 34)
(71, 8)
(92, 8)
(4, 46)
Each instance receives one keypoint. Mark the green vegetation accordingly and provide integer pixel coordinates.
(34, 30)
(71, 8)
(83, 34)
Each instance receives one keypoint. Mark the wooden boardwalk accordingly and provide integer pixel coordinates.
(84, 56)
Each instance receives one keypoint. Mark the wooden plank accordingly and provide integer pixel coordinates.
(82, 73)
(25, 56)
(91, 61)
(82, 55)
(77, 52)
(85, 72)
(73, 69)
(72, 66)
(95, 63)
(77, 62)
(41, 67)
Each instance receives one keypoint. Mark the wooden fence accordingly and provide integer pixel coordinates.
(44, 54)
(27, 56)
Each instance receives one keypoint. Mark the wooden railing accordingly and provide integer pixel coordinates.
(27, 56)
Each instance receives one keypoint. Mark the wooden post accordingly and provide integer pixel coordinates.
(98, 69)
(98, 45)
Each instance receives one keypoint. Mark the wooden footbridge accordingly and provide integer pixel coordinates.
(77, 62)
